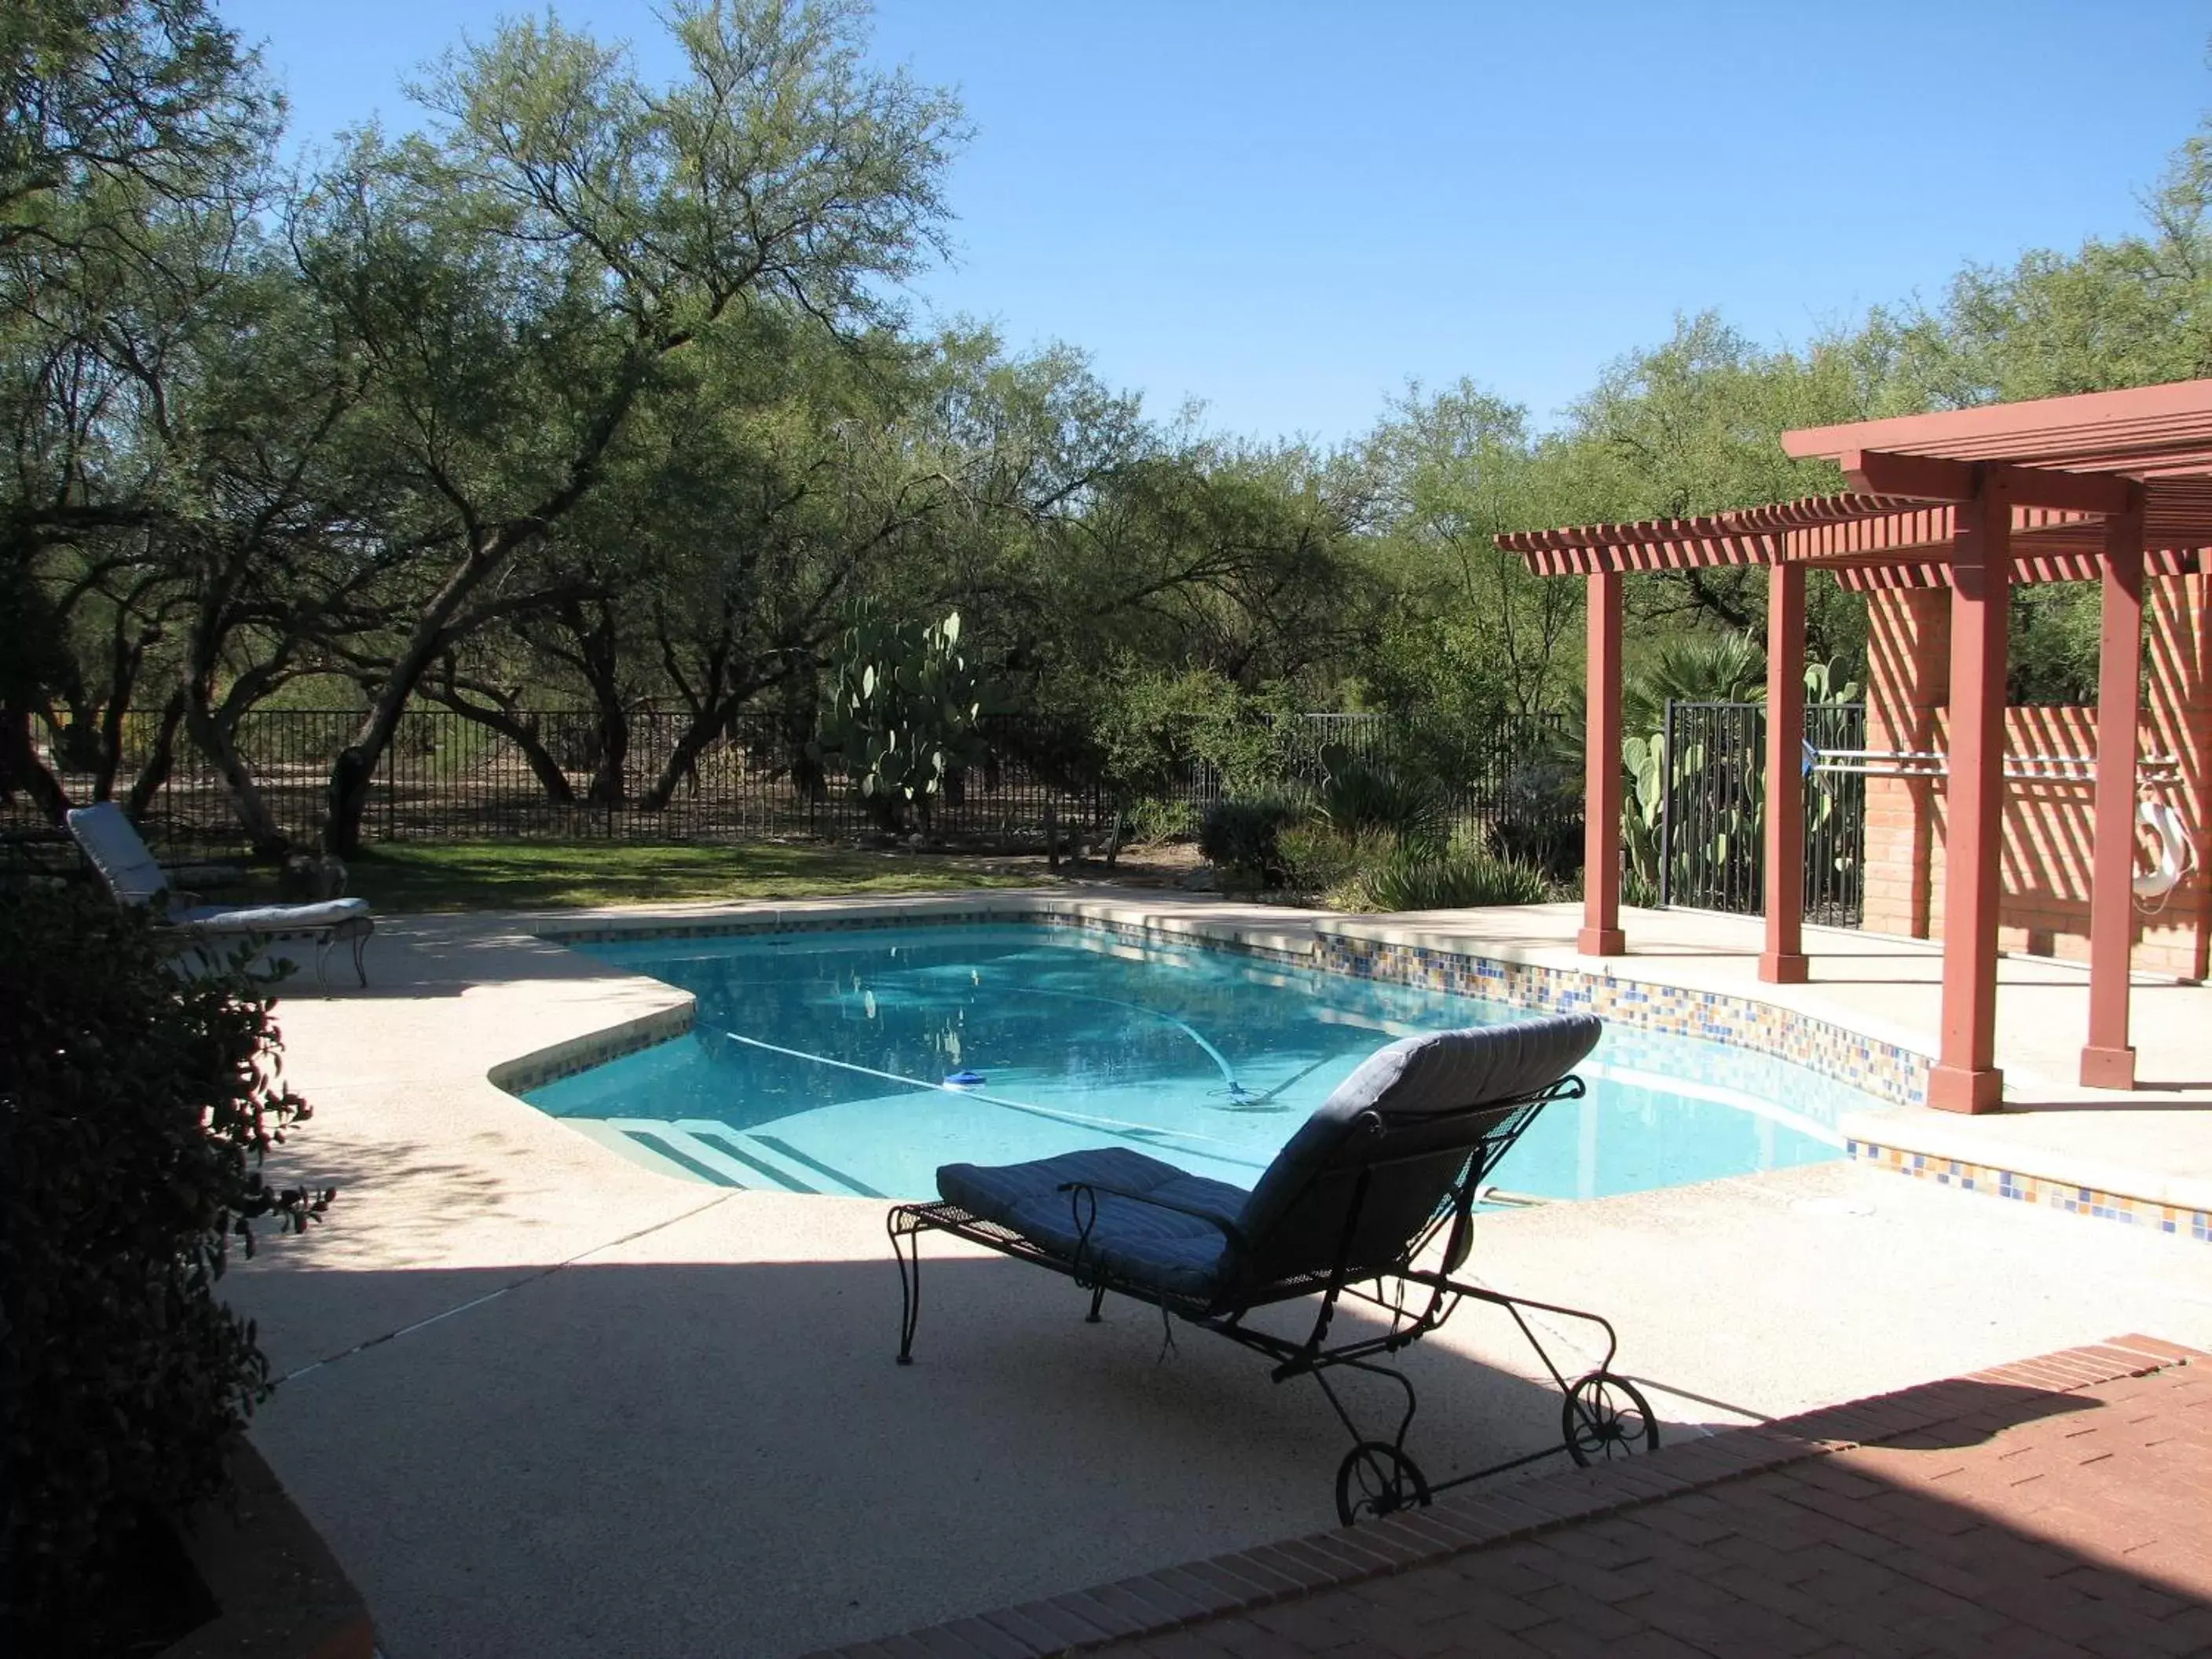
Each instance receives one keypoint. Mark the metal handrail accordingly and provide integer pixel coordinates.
(2024, 769)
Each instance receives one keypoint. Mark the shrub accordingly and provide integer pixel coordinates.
(1243, 839)
(1317, 859)
(1150, 821)
(1461, 879)
(136, 1106)
(1362, 799)
(1153, 730)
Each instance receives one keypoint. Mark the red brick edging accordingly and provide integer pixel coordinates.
(1156, 1603)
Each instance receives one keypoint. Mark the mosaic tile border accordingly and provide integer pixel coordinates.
(2063, 1196)
(1890, 1072)
(544, 1065)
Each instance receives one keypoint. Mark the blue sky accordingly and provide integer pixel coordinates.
(1287, 210)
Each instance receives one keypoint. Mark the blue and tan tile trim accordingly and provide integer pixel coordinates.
(535, 1070)
(2065, 1197)
(1884, 1070)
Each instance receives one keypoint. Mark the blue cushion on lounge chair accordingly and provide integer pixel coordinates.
(1158, 1249)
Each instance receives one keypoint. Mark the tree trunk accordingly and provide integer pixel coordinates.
(521, 731)
(154, 770)
(355, 767)
(212, 734)
(607, 785)
(21, 767)
(684, 759)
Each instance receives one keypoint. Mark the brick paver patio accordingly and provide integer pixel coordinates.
(2061, 1505)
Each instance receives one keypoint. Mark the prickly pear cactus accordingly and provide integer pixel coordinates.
(902, 714)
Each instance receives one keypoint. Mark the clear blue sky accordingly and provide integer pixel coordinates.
(1286, 209)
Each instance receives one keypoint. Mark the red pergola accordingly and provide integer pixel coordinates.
(2101, 487)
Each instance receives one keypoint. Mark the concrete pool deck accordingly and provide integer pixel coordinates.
(543, 1400)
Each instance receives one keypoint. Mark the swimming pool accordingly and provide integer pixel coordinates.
(856, 1062)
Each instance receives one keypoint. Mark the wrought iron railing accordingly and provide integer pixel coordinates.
(446, 776)
(1713, 815)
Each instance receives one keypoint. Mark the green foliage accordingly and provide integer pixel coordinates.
(1242, 839)
(1153, 728)
(1365, 798)
(1149, 821)
(1460, 879)
(137, 1106)
(1319, 858)
(902, 714)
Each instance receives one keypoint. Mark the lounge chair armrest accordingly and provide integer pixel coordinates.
(1229, 1228)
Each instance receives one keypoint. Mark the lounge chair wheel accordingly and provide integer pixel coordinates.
(1375, 1479)
(1605, 1417)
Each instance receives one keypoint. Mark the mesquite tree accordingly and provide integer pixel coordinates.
(522, 278)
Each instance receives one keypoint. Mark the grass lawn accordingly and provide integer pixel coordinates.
(550, 875)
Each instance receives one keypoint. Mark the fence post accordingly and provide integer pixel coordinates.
(1667, 806)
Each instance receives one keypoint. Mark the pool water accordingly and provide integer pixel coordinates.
(818, 1062)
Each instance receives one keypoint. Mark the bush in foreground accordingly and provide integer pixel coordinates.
(136, 1108)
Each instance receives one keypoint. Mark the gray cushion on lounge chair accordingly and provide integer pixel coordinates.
(270, 918)
(1141, 1241)
(112, 842)
(1294, 1221)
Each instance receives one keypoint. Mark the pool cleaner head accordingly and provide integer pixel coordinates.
(966, 1079)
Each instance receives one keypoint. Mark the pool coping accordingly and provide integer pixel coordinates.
(1902, 1137)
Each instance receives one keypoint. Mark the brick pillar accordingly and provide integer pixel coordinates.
(1908, 683)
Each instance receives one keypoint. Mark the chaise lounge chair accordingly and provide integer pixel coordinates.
(1351, 1207)
(112, 844)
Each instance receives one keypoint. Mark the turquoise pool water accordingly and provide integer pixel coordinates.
(818, 1062)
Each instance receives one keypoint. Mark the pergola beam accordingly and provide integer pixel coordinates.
(1936, 478)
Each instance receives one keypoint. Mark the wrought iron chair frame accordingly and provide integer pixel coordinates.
(1602, 1415)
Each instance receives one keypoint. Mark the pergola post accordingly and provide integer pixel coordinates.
(1600, 934)
(1965, 1078)
(1783, 961)
(2107, 1061)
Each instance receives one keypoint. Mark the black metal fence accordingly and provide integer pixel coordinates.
(1712, 817)
(447, 776)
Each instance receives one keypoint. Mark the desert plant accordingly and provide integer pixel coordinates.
(1319, 858)
(1460, 879)
(1243, 838)
(903, 714)
(137, 1106)
(1148, 821)
(1365, 797)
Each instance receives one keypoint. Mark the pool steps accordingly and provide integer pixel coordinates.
(706, 1149)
